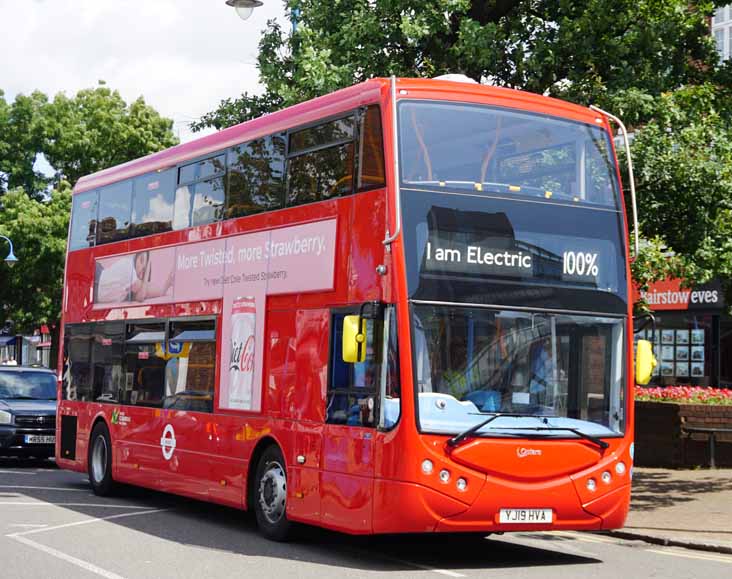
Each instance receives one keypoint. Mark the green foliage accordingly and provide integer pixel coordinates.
(21, 138)
(30, 292)
(77, 135)
(651, 62)
(583, 50)
(97, 129)
(683, 168)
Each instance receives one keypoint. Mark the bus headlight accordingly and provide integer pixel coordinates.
(461, 484)
(606, 477)
(444, 476)
(620, 468)
(5, 417)
(427, 466)
(591, 485)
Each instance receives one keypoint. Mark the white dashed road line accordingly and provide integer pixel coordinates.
(47, 504)
(62, 489)
(689, 555)
(25, 525)
(21, 537)
(69, 559)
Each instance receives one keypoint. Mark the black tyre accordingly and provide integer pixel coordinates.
(270, 496)
(100, 461)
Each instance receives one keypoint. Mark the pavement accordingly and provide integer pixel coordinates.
(681, 508)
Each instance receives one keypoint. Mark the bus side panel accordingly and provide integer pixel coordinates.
(305, 397)
(136, 441)
(304, 401)
(367, 248)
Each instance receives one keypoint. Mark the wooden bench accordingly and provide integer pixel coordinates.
(711, 432)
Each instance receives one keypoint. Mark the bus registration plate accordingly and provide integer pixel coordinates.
(36, 439)
(540, 516)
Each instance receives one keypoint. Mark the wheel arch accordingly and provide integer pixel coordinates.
(99, 418)
(262, 444)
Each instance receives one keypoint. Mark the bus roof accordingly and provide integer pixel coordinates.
(368, 92)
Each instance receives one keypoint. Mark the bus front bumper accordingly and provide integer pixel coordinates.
(410, 507)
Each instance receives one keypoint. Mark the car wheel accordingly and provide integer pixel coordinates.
(270, 496)
(100, 461)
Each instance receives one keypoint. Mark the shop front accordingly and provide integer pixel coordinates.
(693, 335)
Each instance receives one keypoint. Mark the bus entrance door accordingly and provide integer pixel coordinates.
(347, 477)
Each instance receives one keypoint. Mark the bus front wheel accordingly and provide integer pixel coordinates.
(100, 461)
(270, 495)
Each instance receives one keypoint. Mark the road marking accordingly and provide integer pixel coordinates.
(47, 504)
(20, 536)
(68, 558)
(547, 543)
(25, 525)
(419, 566)
(64, 489)
(428, 568)
(17, 472)
(704, 557)
(586, 538)
(86, 522)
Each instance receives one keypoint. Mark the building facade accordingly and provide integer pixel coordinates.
(693, 334)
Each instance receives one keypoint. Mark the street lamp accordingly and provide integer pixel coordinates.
(10, 259)
(244, 8)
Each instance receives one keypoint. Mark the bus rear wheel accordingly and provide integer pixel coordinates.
(100, 461)
(270, 496)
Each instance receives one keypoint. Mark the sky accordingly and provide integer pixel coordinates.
(182, 56)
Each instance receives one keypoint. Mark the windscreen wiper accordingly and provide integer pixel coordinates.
(458, 438)
(598, 441)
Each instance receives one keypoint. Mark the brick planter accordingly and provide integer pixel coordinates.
(658, 440)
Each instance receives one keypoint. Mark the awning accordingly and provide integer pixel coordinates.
(147, 338)
(7, 340)
(195, 336)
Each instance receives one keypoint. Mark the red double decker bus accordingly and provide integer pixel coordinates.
(400, 307)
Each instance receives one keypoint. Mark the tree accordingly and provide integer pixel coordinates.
(21, 139)
(77, 135)
(683, 162)
(30, 292)
(96, 129)
(651, 62)
(582, 50)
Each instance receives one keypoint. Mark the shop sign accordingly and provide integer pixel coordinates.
(670, 295)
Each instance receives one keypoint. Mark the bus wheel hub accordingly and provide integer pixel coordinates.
(273, 492)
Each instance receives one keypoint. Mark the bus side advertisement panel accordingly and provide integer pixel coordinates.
(242, 270)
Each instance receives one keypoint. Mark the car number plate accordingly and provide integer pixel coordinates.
(39, 439)
(538, 516)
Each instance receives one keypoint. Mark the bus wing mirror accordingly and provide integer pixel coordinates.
(645, 362)
(354, 339)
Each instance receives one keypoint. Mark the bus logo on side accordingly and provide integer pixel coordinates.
(167, 442)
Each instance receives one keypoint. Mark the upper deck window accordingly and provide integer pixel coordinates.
(84, 221)
(371, 150)
(200, 196)
(152, 211)
(115, 202)
(256, 176)
(321, 162)
(495, 151)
